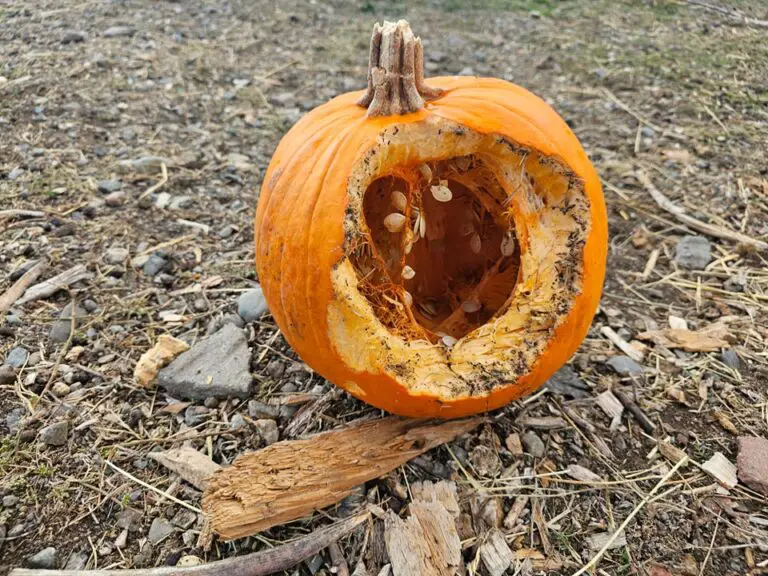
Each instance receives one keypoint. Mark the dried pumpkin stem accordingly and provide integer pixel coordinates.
(396, 72)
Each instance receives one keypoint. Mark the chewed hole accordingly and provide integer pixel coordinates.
(441, 245)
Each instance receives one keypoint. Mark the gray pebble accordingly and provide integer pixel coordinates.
(115, 199)
(72, 37)
(55, 434)
(693, 252)
(116, 255)
(184, 518)
(267, 430)
(228, 231)
(107, 186)
(159, 530)
(10, 501)
(14, 419)
(7, 374)
(181, 202)
(61, 328)
(258, 410)
(237, 422)
(119, 31)
(189, 538)
(154, 265)
(34, 359)
(130, 519)
(195, 415)
(533, 444)
(17, 357)
(77, 561)
(22, 269)
(731, 359)
(45, 559)
(624, 365)
(211, 402)
(252, 305)
(276, 369)
(15, 173)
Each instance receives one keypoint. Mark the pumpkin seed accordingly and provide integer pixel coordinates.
(449, 340)
(394, 222)
(408, 247)
(422, 225)
(466, 228)
(408, 273)
(407, 298)
(470, 306)
(427, 309)
(399, 200)
(441, 193)
(426, 172)
(508, 244)
(476, 244)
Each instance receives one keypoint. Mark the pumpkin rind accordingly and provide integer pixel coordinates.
(300, 237)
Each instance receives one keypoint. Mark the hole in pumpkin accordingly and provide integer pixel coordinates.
(441, 258)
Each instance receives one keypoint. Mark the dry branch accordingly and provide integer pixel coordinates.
(53, 285)
(258, 564)
(291, 479)
(711, 230)
(14, 292)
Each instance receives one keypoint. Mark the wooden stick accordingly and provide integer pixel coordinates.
(258, 564)
(291, 479)
(14, 292)
(53, 285)
(645, 422)
(678, 212)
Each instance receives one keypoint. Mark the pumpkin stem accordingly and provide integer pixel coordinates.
(396, 72)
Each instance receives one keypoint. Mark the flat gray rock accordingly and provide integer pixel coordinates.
(55, 434)
(45, 559)
(159, 530)
(217, 366)
(624, 365)
(16, 357)
(693, 252)
(61, 328)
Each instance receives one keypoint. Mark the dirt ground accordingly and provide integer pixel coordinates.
(674, 92)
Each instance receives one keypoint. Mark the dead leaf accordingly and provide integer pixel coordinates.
(193, 466)
(160, 355)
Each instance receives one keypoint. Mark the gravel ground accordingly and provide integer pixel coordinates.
(134, 135)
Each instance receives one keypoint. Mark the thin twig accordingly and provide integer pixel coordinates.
(260, 563)
(62, 352)
(154, 489)
(13, 293)
(711, 544)
(159, 184)
(678, 212)
(596, 558)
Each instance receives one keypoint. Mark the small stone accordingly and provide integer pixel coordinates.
(26, 436)
(34, 359)
(211, 402)
(514, 445)
(237, 422)
(258, 410)
(15, 173)
(122, 539)
(7, 374)
(276, 369)
(730, 359)
(109, 186)
(217, 366)
(737, 283)
(267, 430)
(533, 445)
(119, 31)
(228, 231)
(159, 530)
(45, 559)
(116, 255)
(752, 462)
(154, 265)
(77, 561)
(624, 365)
(567, 383)
(60, 390)
(62, 327)
(17, 357)
(184, 518)
(693, 252)
(90, 306)
(189, 538)
(252, 305)
(129, 519)
(55, 434)
(163, 200)
(181, 202)
(195, 415)
(22, 269)
(144, 557)
(314, 564)
(10, 501)
(200, 305)
(115, 199)
(72, 37)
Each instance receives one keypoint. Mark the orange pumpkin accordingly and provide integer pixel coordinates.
(434, 250)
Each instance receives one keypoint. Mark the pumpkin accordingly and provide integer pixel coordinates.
(435, 248)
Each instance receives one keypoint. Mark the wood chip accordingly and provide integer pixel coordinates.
(537, 515)
(165, 349)
(623, 345)
(427, 542)
(542, 423)
(496, 554)
(612, 407)
(193, 466)
(645, 423)
(722, 470)
(583, 474)
(514, 512)
(53, 285)
(597, 541)
(290, 479)
(705, 340)
(671, 452)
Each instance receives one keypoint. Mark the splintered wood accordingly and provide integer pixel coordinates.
(427, 542)
(291, 479)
